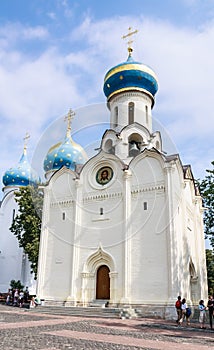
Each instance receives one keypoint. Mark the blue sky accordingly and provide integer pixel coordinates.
(54, 55)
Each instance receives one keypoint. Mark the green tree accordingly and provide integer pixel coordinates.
(26, 225)
(210, 270)
(207, 192)
(16, 284)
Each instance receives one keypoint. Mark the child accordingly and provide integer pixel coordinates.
(202, 315)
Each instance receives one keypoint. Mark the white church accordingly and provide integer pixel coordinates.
(125, 226)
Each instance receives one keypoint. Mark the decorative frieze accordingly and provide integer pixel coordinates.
(62, 203)
(108, 195)
(128, 95)
(158, 188)
(102, 197)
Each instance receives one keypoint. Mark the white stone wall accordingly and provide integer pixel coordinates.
(148, 250)
(140, 100)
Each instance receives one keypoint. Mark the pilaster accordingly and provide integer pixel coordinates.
(113, 281)
(75, 230)
(43, 246)
(173, 283)
(127, 235)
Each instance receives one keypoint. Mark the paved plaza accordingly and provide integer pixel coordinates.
(27, 329)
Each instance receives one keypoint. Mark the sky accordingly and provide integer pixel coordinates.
(54, 55)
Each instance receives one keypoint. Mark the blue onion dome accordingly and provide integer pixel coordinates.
(67, 153)
(130, 75)
(22, 174)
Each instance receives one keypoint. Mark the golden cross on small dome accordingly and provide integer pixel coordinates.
(130, 33)
(26, 138)
(69, 118)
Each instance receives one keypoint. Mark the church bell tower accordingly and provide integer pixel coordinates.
(130, 89)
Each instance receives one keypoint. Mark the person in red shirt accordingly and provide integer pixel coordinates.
(178, 308)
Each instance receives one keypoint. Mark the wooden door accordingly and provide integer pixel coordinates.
(103, 283)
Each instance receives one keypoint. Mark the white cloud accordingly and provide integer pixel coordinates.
(68, 12)
(186, 78)
(182, 59)
(14, 33)
(34, 33)
(36, 90)
(51, 15)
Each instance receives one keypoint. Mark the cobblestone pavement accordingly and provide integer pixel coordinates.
(25, 329)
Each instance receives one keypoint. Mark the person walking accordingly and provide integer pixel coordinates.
(26, 295)
(210, 306)
(21, 298)
(202, 314)
(183, 313)
(178, 308)
(16, 297)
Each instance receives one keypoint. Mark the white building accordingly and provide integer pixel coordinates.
(126, 225)
(14, 263)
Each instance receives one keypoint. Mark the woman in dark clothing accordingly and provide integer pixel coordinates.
(210, 306)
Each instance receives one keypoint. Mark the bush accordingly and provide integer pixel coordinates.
(16, 285)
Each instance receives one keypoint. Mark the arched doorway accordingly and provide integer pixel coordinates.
(103, 283)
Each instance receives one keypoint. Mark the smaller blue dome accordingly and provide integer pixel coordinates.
(67, 153)
(22, 175)
(130, 75)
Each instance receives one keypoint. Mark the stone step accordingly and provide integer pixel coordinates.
(99, 303)
(78, 311)
(102, 312)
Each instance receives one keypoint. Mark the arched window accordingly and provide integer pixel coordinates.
(192, 270)
(108, 147)
(14, 214)
(147, 116)
(115, 117)
(131, 112)
(158, 145)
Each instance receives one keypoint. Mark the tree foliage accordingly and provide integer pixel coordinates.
(210, 270)
(16, 285)
(26, 225)
(207, 192)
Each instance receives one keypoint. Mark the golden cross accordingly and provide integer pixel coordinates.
(69, 118)
(130, 41)
(26, 138)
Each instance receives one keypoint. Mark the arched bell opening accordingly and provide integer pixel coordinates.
(135, 141)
